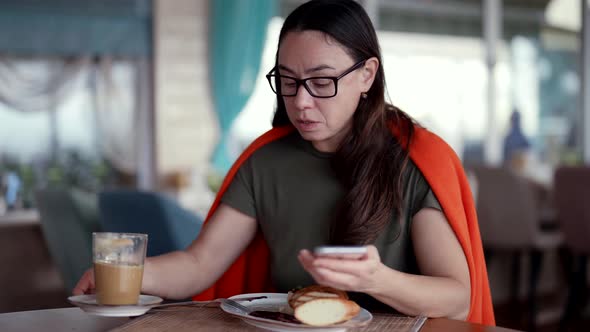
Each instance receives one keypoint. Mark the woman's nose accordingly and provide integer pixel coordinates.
(303, 99)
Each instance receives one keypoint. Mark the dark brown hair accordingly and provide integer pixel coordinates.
(370, 160)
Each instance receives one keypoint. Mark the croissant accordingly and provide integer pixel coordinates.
(321, 305)
(326, 311)
(302, 295)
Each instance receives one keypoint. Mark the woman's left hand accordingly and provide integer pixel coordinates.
(356, 275)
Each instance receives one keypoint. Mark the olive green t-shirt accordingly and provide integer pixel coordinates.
(292, 191)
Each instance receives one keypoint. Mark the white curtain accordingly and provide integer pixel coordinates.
(45, 85)
(38, 85)
(116, 109)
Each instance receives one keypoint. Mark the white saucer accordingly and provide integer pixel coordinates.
(89, 304)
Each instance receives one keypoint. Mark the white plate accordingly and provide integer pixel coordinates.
(89, 304)
(278, 302)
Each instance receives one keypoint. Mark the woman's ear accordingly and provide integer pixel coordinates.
(368, 72)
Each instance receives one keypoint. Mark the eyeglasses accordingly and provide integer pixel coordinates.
(319, 87)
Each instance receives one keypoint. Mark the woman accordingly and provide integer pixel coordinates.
(337, 170)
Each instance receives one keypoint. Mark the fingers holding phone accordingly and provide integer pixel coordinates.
(347, 268)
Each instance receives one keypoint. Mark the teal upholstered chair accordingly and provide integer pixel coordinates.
(168, 225)
(68, 218)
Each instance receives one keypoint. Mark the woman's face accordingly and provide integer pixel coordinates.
(323, 121)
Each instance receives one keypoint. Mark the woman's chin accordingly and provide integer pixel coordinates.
(320, 143)
(311, 136)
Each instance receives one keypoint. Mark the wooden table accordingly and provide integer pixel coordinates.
(65, 319)
(203, 319)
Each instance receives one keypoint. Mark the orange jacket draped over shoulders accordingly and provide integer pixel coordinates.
(442, 169)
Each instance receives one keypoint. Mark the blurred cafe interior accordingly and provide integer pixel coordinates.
(124, 115)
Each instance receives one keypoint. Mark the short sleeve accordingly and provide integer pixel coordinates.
(430, 201)
(420, 194)
(240, 193)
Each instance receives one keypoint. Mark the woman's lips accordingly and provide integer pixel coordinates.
(307, 125)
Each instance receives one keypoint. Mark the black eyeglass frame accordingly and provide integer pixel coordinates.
(298, 82)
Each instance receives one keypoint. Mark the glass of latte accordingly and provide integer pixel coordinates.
(118, 267)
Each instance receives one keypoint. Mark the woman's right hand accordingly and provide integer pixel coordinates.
(86, 284)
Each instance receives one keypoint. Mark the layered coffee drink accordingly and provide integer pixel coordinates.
(118, 267)
(117, 284)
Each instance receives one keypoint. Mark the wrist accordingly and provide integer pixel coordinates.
(378, 280)
(145, 281)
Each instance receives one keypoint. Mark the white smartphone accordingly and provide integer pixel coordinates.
(348, 252)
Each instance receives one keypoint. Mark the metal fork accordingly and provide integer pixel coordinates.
(231, 303)
(236, 305)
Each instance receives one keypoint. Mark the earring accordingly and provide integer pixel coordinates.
(364, 95)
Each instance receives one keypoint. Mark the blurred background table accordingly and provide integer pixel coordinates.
(19, 218)
(29, 278)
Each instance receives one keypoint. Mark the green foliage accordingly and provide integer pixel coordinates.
(71, 170)
(214, 180)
